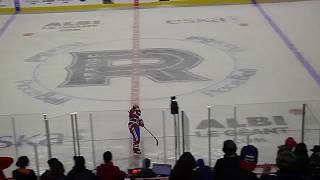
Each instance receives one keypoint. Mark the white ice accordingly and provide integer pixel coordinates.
(240, 39)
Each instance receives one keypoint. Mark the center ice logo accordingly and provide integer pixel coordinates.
(96, 68)
(102, 71)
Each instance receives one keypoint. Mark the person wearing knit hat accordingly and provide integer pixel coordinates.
(248, 162)
(248, 158)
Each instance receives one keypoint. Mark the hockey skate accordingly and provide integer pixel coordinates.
(136, 151)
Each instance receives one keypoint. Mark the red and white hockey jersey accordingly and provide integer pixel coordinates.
(134, 116)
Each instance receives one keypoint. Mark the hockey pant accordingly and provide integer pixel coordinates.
(135, 131)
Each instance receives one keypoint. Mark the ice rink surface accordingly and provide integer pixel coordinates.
(58, 63)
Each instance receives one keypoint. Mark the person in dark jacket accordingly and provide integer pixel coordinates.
(55, 172)
(79, 171)
(146, 172)
(185, 168)
(228, 166)
(22, 173)
(5, 162)
(315, 163)
(301, 153)
(108, 171)
(174, 105)
(203, 170)
(248, 163)
(286, 162)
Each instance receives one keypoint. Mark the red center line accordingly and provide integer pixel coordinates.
(135, 75)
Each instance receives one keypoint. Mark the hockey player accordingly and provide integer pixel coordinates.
(134, 127)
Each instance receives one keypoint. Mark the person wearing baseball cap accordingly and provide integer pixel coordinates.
(316, 148)
(314, 161)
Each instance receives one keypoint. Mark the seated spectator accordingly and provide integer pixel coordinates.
(146, 172)
(289, 145)
(228, 166)
(5, 162)
(22, 173)
(79, 171)
(248, 163)
(301, 153)
(286, 162)
(204, 171)
(55, 172)
(315, 163)
(184, 168)
(108, 171)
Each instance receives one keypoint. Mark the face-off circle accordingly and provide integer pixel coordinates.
(102, 71)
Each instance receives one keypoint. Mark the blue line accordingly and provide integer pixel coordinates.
(289, 44)
(7, 24)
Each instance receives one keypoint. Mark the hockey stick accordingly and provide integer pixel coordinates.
(157, 142)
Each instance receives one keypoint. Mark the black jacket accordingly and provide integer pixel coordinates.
(24, 174)
(49, 175)
(226, 168)
(81, 174)
(174, 107)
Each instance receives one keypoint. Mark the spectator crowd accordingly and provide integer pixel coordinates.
(292, 163)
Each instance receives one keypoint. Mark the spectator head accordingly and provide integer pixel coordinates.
(229, 147)
(291, 143)
(79, 162)
(146, 163)
(286, 161)
(56, 166)
(315, 160)
(107, 156)
(173, 98)
(200, 163)
(22, 162)
(186, 162)
(315, 157)
(248, 158)
(315, 149)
